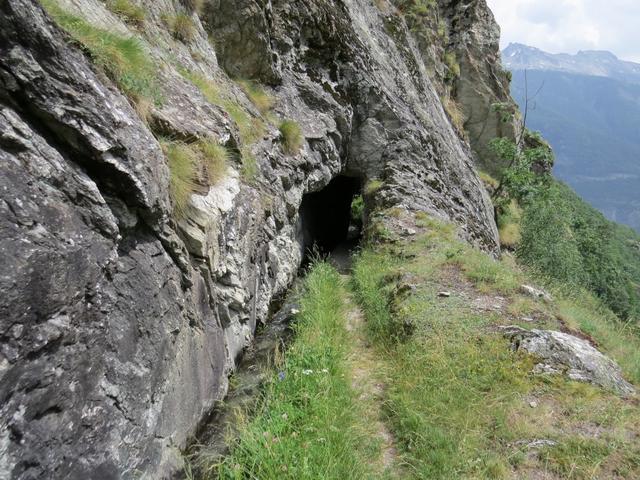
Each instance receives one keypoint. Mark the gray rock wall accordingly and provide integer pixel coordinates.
(119, 324)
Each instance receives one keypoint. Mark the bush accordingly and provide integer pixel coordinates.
(291, 136)
(132, 13)
(123, 59)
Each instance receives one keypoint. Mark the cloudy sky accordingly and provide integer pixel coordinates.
(571, 25)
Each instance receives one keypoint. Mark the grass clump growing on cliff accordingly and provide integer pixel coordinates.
(183, 27)
(308, 425)
(215, 160)
(251, 129)
(258, 96)
(183, 169)
(129, 11)
(193, 167)
(123, 59)
(292, 137)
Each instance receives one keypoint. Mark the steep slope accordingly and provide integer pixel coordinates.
(125, 301)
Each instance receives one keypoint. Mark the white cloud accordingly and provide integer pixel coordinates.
(570, 25)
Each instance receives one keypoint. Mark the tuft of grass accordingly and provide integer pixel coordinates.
(251, 129)
(453, 67)
(183, 28)
(249, 168)
(455, 114)
(184, 170)
(129, 11)
(258, 96)
(192, 166)
(215, 160)
(292, 137)
(309, 422)
(123, 59)
(489, 182)
(372, 186)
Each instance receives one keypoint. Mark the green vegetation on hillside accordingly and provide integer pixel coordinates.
(460, 403)
(559, 235)
(448, 396)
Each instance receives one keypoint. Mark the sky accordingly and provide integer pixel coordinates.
(567, 26)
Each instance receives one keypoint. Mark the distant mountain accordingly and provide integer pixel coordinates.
(595, 63)
(588, 107)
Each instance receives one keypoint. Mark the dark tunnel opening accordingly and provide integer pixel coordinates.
(326, 218)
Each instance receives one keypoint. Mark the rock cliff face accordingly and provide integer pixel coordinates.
(482, 88)
(120, 321)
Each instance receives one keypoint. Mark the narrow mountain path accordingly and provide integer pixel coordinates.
(367, 380)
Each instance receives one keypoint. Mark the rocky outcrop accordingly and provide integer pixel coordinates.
(559, 352)
(482, 88)
(118, 323)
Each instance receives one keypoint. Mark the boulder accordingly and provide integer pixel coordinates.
(560, 352)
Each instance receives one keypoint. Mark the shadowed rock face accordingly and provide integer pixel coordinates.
(118, 324)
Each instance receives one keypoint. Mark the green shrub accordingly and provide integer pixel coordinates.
(183, 28)
(123, 59)
(131, 12)
(292, 138)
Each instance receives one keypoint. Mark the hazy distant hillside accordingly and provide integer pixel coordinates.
(591, 117)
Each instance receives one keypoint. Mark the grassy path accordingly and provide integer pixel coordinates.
(367, 381)
(399, 372)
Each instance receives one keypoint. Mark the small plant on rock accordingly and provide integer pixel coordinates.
(183, 28)
(130, 12)
(291, 136)
(183, 168)
(215, 158)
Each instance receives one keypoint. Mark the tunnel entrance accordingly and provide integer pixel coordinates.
(326, 219)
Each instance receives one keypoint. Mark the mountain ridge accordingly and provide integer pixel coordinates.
(601, 63)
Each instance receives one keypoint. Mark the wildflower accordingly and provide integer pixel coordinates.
(281, 376)
(307, 372)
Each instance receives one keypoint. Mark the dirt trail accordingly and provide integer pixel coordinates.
(367, 379)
